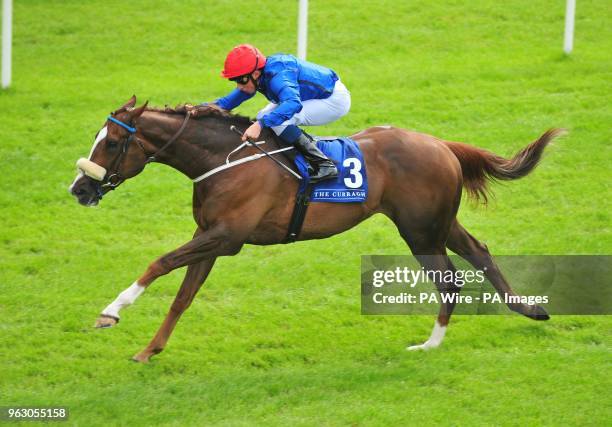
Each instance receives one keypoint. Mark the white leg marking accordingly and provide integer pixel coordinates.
(437, 335)
(124, 299)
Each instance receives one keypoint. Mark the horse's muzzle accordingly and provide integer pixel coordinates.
(87, 191)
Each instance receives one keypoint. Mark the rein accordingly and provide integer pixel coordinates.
(108, 181)
(153, 157)
(112, 180)
(233, 163)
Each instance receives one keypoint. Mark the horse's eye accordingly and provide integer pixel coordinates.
(111, 144)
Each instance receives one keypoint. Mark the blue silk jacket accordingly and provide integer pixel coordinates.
(286, 81)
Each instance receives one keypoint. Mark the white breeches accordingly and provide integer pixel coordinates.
(316, 112)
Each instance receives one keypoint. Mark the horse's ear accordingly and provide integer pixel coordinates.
(137, 112)
(130, 103)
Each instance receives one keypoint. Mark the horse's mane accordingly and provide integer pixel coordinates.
(200, 111)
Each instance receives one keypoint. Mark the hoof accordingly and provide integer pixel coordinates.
(534, 312)
(145, 355)
(540, 314)
(105, 321)
(425, 346)
(141, 358)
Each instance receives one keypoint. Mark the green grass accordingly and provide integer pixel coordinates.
(275, 336)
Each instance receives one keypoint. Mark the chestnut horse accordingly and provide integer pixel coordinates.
(414, 179)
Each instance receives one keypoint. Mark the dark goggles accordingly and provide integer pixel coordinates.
(241, 80)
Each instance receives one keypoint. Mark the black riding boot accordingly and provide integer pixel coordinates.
(320, 166)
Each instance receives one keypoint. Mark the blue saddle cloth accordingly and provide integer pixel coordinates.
(351, 185)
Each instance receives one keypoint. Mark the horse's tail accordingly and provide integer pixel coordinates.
(480, 166)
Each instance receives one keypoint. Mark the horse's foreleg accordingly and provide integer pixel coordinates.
(476, 253)
(194, 278)
(205, 245)
(110, 315)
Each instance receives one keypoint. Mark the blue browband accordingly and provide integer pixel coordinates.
(123, 125)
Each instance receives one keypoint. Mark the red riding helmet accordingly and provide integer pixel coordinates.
(243, 59)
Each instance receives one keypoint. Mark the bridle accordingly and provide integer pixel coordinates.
(112, 179)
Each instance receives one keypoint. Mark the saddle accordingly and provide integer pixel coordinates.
(351, 185)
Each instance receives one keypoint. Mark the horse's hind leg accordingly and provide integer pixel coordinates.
(194, 278)
(428, 247)
(476, 253)
(437, 264)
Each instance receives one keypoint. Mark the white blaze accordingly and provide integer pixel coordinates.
(101, 135)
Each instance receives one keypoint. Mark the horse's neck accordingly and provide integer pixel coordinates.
(203, 145)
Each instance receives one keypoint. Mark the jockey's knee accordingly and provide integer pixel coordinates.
(278, 130)
(290, 134)
(287, 124)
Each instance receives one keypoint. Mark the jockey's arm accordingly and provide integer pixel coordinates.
(285, 86)
(233, 99)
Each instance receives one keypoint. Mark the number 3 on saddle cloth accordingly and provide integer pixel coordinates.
(351, 185)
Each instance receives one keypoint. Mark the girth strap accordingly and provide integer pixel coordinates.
(299, 213)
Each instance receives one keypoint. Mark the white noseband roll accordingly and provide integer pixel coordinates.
(91, 169)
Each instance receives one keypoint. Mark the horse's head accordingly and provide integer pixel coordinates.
(116, 155)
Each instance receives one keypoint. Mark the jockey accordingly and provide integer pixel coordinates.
(300, 93)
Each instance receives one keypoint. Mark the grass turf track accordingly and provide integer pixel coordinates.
(275, 336)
